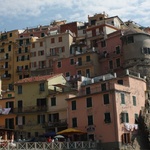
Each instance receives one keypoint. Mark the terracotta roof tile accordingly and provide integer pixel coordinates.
(35, 79)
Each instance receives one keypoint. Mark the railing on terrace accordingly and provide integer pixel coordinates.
(59, 123)
(29, 109)
(79, 145)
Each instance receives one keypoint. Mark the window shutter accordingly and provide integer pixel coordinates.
(16, 120)
(23, 120)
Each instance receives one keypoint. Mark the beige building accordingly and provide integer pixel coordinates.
(40, 102)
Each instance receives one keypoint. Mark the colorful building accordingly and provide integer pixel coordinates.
(110, 106)
(38, 104)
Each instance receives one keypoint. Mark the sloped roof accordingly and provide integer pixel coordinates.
(36, 79)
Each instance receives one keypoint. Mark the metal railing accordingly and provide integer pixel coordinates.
(78, 145)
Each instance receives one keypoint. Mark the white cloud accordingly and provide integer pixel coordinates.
(75, 10)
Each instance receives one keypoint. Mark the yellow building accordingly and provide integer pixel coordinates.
(37, 105)
(7, 117)
(22, 57)
(7, 45)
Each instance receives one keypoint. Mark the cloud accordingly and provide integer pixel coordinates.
(32, 11)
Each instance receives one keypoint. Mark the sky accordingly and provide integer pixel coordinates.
(20, 14)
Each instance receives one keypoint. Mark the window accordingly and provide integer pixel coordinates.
(136, 116)
(103, 43)
(88, 58)
(59, 64)
(74, 122)
(9, 47)
(53, 101)
(88, 90)
(90, 120)
(33, 45)
(40, 53)
(73, 103)
(60, 39)
(9, 123)
(67, 74)
(124, 117)
(10, 104)
(72, 61)
(19, 89)
(88, 72)
(52, 40)
(118, 50)
(42, 88)
(41, 44)
(20, 120)
(106, 98)
(122, 98)
(79, 72)
(125, 138)
(130, 39)
(120, 82)
(10, 34)
(42, 34)
(26, 49)
(41, 119)
(103, 87)
(53, 117)
(107, 118)
(89, 102)
(110, 64)
(118, 62)
(134, 100)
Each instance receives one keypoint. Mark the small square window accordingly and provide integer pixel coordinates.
(73, 103)
(90, 120)
(106, 98)
(103, 87)
(124, 117)
(88, 90)
(53, 101)
(74, 122)
(89, 102)
(134, 100)
(60, 39)
(59, 64)
(122, 98)
(107, 118)
(42, 88)
(72, 61)
(88, 58)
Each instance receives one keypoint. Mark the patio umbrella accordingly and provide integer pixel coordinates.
(70, 131)
(59, 136)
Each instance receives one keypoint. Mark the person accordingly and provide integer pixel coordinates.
(49, 140)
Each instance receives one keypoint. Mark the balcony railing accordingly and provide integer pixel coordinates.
(60, 123)
(84, 64)
(30, 109)
(78, 145)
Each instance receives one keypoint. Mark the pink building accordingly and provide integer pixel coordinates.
(107, 108)
(111, 53)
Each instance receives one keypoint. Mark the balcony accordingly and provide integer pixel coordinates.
(55, 55)
(22, 52)
(30, 109)
(5, 58)
(103, 56)
(22, 70)
(84, 64)
(4, 67)
(6, 76)
(2, 50)
(60, 123)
